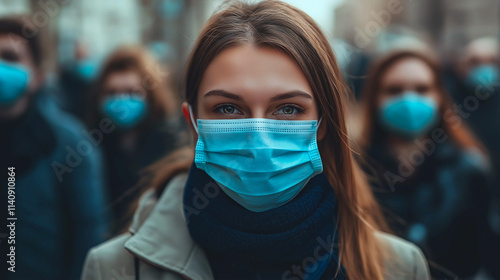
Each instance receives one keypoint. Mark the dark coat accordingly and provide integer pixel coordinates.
(59, 191)
(440, 206)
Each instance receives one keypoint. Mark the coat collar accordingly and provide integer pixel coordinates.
(160, 234)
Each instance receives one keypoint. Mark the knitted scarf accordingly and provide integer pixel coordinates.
(295, 241)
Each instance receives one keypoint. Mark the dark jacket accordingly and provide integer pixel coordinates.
(123, 167)
(480, 110)
(440, 206)
(59, 200)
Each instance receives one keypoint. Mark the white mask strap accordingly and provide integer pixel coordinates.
(192, 119)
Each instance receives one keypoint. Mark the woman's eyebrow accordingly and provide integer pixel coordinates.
(223, 93)
(290, 94)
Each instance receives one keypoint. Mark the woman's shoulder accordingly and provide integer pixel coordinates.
(402, 259)
(112, 259)
(109, 260)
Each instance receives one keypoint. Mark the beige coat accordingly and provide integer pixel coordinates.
(160, 242)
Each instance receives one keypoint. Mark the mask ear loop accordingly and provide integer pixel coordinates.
(192, 119)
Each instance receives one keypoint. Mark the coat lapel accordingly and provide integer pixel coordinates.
(161, 237)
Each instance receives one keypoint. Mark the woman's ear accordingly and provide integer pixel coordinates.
(321, 130)
(187, 116)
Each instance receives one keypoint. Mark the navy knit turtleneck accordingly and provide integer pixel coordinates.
(294, 241)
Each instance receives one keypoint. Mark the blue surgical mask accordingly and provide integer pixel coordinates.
(87, 69)
(260, 163)
(484, 75)
(409, 115)
(125, 110)
(14, 79)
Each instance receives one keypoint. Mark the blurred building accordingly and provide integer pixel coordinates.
(467, 20)
(446, 23)
(170, 27)
(99, 25)
(8, 7)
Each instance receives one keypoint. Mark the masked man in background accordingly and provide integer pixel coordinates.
(59, 202)
(474, 83)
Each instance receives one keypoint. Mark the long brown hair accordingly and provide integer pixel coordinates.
(451, 123)
(284, 27)
(162, 101)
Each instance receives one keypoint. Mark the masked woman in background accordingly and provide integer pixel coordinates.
(430, 169)
(133, 108)
(273, 192)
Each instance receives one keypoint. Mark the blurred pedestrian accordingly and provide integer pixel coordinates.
(430, 170)
(475, 84)
(76, 78)
(59, 201)
(132, 93)
(273, 192)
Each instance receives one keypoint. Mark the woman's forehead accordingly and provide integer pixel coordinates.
(247, 69)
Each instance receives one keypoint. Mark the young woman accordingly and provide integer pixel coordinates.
(430, 168)
(134, 110)
(274, 192)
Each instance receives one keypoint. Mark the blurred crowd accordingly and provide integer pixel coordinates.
(428, 133)
(77, 145)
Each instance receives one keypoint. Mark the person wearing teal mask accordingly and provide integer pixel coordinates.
(126, 110)
(75, 79)
(478, 66)
(59, 194)
(483, 75)
(87, 69)
(132, 96)
(271, 189)
(477, 91)
(409, 114)
(14, 81)
(19, 80)
(254, 181)
(430, 170)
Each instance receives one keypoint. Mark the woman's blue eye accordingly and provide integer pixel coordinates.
(228, 109)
